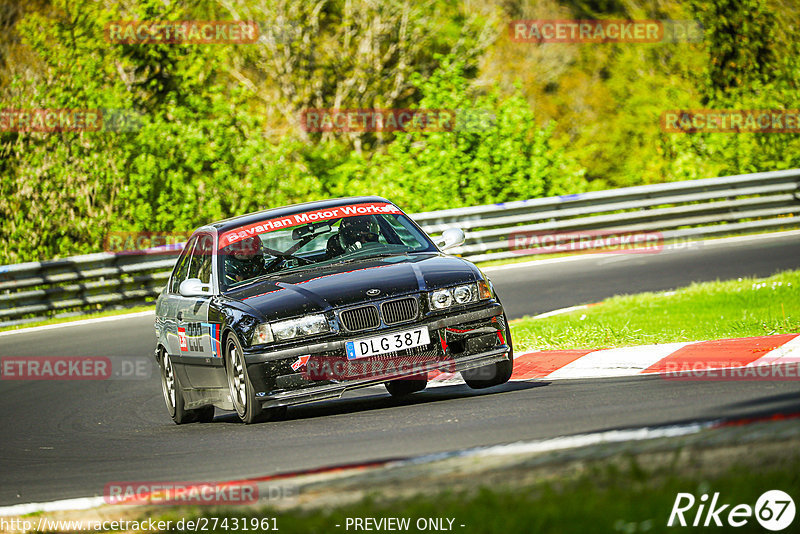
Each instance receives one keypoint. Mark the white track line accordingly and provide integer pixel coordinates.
(560, 311)
(81, 322)
(83, 503)
(584, 440)
(684, 245)
(547, 261)
(520, 447)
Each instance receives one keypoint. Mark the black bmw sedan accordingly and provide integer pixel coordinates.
(302, 303)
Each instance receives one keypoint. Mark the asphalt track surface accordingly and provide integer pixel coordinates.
(69, 439)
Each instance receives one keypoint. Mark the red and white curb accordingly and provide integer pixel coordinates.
(651, 359)
(550, 365)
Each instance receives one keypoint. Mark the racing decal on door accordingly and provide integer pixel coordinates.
(182, 339)
(213, 333)
(190, 337)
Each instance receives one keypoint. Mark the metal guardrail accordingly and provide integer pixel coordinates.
(689, 209)
(71, 286)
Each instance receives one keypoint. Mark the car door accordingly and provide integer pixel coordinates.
(202, 353)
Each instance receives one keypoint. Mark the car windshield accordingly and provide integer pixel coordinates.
(311, 240)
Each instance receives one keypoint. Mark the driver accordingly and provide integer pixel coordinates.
(243, 260)
(354, 233)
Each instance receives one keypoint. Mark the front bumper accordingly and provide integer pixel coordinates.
(459, 342)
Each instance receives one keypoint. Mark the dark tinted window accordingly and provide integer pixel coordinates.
(332, 236)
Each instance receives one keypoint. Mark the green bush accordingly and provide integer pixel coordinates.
(494, 153)
(216, 132)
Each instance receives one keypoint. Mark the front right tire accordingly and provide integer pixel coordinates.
(247, 407)
(173, 398)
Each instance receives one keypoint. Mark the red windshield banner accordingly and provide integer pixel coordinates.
(337, 212)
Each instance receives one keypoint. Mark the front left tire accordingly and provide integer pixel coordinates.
(407, 386)
(493, 374)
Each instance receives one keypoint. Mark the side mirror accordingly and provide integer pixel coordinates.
(193, 287)
(452, 237)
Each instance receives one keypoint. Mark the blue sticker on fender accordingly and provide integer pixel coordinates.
(213, 333)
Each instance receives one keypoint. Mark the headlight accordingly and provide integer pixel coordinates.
(303, 326)
(444, 298)
(441, 299)
(283, 330)
(465, 294)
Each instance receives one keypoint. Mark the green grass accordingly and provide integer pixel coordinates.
(702, 311)
(621, 495)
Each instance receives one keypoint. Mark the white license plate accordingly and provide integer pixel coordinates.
(372, 346)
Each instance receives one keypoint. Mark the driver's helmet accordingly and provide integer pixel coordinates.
(358, 230)
(243, 259)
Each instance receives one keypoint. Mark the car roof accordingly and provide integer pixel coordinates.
(257, 216)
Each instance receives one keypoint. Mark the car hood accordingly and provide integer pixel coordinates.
(315, 290)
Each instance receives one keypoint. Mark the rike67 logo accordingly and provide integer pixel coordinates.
(774, 510)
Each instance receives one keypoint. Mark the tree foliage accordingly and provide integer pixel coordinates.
(211, 131)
